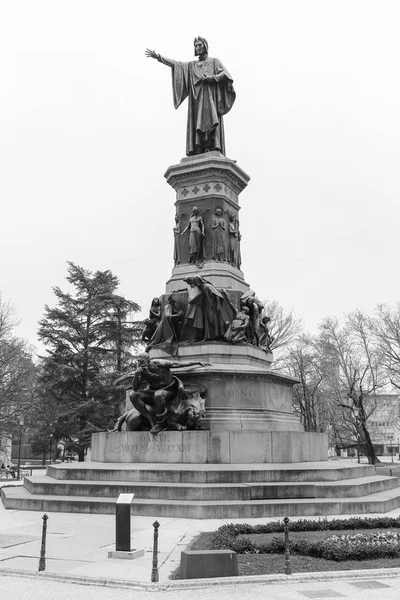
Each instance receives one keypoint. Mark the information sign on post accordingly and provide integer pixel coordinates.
(123, 522)
(123, 529)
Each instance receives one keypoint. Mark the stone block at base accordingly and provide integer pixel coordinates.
(126, 555)
(209, 447)
(201, 564)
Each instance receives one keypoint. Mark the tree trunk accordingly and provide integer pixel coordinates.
(369, 447)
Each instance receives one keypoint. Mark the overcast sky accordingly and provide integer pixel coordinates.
(88, 128)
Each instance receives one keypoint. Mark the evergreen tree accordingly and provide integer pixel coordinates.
(89, 336)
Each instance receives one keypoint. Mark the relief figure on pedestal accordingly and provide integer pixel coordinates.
(157, 395)
(177, 250)
(196, 237)
(219, 239)
(234, 242)
(255, 307)
(237, 330)
(167, 331)
(265, 337)
(209, 88)
(150, 324)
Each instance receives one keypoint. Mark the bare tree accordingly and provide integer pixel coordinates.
(17, 375)
(305, 362)
(284, 327)
(355, 373)
(386, 327)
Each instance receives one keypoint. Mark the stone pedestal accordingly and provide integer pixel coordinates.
(208, 181)
(248, 414)
(242, 392)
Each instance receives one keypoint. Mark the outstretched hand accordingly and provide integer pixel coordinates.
(150, 53)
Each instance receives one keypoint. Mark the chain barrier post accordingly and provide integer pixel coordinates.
(154, 571)
(288, 569)
(42, 560)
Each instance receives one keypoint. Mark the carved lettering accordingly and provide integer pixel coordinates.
(232, 393)
(155, 447)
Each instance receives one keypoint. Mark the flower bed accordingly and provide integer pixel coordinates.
(358, 546)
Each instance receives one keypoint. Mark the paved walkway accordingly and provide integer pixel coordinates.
(78, 545)
(42, 588)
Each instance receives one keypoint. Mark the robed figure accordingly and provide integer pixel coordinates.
(196, 237)
(167, 331)
(209, 88)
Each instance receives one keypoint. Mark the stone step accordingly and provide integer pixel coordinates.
(21, 499)
(45, 485)
(210, 473)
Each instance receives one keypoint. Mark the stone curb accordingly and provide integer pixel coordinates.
(201, 583)
(80, 580)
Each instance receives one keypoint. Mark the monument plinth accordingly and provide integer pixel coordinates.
(239, 389)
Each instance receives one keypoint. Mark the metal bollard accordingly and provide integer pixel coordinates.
(42, 560)
(154, 571)
(288, 569)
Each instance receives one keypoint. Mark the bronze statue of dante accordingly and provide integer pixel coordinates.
(209, 88)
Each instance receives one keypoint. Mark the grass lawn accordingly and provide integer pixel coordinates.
(269, 564)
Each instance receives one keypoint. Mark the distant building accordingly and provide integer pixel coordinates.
(384, 424)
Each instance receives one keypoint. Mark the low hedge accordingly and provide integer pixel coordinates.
(361, 546)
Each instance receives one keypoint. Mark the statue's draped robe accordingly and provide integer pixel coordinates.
(166, 329)
(217, 310)
(195, 308)
(208, 102)
(196, 250)
(219, 247)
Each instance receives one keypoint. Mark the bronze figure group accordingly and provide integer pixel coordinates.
(206, 313)
(159, 397)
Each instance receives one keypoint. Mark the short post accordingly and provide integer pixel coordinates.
(51, 447)
(42, 560)
(154, 571)
(288, 569)
(21, 423)
(123, 522)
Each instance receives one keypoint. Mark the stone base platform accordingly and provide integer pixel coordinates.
(209, 491)
(207, 447)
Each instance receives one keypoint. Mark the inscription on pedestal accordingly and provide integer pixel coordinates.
(235, 393)
(159, 444)
(213, 447)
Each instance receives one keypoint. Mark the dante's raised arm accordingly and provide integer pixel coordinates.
(162, 59)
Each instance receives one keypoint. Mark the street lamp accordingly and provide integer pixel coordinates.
(357, 414)
(21, 422)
